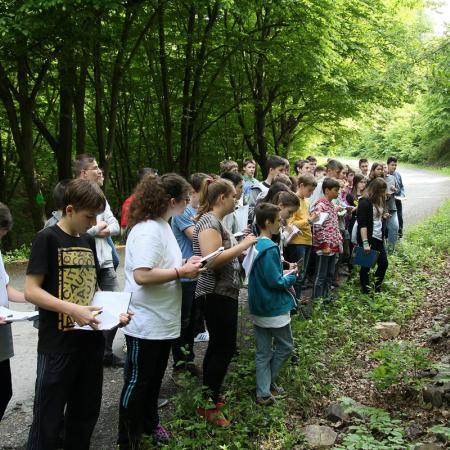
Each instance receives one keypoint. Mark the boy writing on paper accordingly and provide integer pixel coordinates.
(61, 281)
(270, 304)
(7, 293)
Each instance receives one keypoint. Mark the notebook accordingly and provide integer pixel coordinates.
(360, 258)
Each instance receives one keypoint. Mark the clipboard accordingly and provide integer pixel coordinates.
(363, 259)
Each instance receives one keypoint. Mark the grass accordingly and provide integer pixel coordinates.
(323, 345)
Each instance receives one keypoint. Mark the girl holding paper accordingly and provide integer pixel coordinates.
(219, 286)
(153, 268)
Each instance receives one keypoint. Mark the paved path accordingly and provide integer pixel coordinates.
(425, 191)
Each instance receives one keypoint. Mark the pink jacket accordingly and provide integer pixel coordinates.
(327, 235)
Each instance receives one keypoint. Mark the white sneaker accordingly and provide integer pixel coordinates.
(202, 337)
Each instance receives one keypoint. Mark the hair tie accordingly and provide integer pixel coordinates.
(209, 181)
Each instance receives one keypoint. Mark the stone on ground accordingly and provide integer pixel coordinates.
(319, 436)
(388, 330)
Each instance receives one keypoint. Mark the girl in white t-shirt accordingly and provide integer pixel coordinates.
(7, 294)
(153, 268)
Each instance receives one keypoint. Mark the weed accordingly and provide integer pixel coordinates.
(375, 431)
(323, 345)
(399, 362)
(18, 254)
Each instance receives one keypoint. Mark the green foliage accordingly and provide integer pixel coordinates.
(181, 86)
(253, 427)
(19, 254)
(418, 130)
(441, 431)
(376, 431)
(399, 361)
(323, 346)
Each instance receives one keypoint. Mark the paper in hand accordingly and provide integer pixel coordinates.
(113, 304)
(17, 316)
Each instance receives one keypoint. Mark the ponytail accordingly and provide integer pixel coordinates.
(210, 192)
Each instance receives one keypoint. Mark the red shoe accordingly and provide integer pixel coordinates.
(214, 416)
(220, 403)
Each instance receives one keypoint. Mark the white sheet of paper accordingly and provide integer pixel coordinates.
(247, 263)
(295, 232)
(113, 304)
(323, 216)
(242, 217)
(17, 316)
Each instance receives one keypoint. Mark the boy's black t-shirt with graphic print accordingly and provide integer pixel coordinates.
(69, 265)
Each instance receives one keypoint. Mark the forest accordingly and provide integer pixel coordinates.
(181, 85)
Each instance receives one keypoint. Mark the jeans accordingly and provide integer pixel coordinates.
(382, 265)
(399, 206)
(324, 275)
(107, 281)
(71, 380)
(183, 347)
(392, 229)
(6, 386)
(221, 314)
(273, 347)
(295, 252)
(144, 370)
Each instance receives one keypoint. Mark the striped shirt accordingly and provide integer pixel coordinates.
(224, 281)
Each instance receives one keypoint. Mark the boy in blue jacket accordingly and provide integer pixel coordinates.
(270, 304)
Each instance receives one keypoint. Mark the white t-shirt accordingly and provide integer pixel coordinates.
(377, 232)
(157, 307)
(272, 322)
(6, 342)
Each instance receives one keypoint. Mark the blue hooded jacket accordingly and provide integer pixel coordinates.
(268, 294)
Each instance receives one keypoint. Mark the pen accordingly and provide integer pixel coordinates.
(96, 313)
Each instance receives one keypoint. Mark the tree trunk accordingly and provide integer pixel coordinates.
(186, 111)
(78, 102)
(66, 89)
(167, 119)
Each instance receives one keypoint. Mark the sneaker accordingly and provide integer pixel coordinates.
(160, 434)
(265, 401)
(214, 416)
(277, 391)
(202, 337)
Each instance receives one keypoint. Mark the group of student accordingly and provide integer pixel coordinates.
(170, 226)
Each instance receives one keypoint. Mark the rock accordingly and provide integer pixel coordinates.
(413, 432)
(319, 436)
(432, 395)
(388, 330)
(336, 413)
(429, 446)
(437, 337)
(427, 373)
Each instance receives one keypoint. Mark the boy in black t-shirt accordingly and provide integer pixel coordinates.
(61, 281)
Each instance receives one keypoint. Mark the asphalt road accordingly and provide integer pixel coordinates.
(425, 191)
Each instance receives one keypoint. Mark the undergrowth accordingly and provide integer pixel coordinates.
(323, 344)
